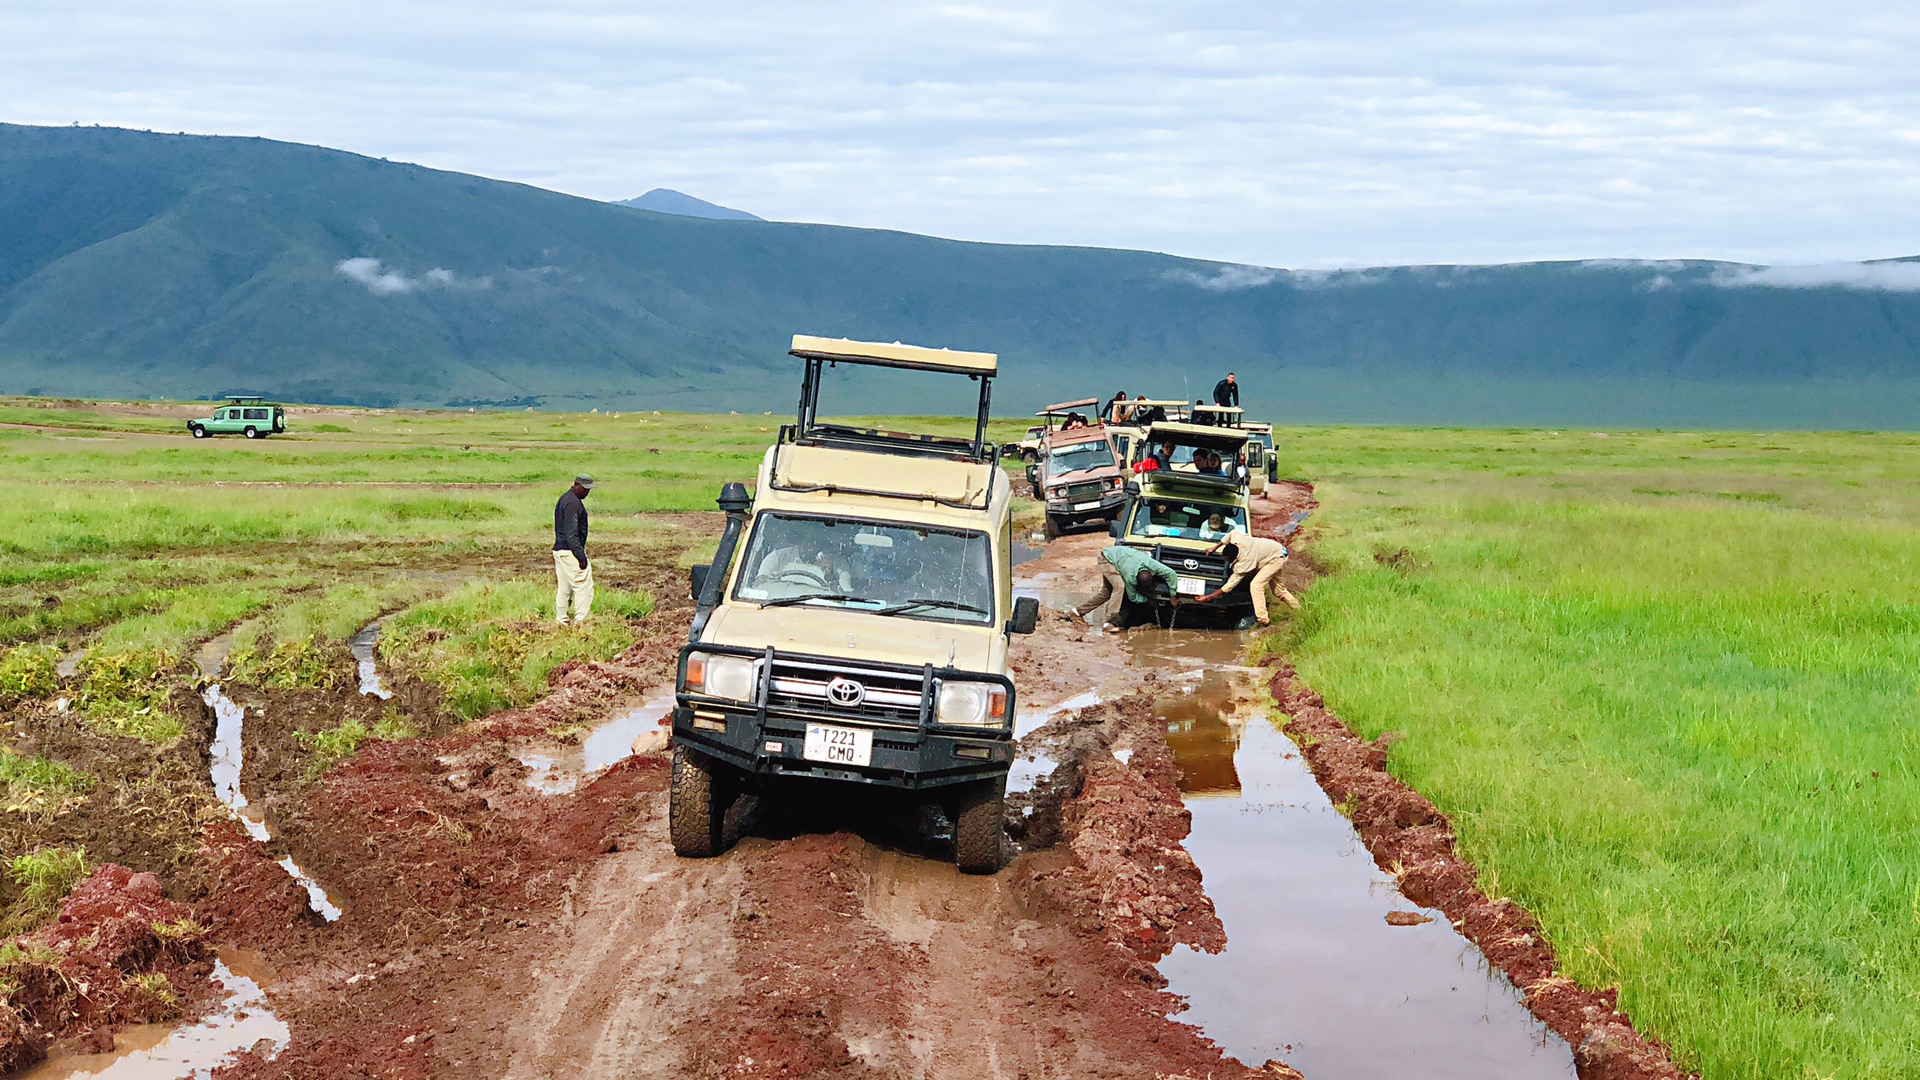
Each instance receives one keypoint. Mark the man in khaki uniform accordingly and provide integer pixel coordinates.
(570, 553)
(1260, 558)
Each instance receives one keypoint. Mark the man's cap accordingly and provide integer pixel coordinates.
(584, 481)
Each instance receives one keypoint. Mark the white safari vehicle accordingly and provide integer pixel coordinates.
(853, 627)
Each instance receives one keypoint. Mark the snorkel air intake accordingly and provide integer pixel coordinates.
(733, 499)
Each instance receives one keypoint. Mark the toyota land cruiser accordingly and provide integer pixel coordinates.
(853, 626)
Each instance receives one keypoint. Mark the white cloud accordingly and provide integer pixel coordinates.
(1874, 277)
(381, 281)
(1227, 278)
(1301, 134)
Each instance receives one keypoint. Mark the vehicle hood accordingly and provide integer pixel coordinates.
(857, 636)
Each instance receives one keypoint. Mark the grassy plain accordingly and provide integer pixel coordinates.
(1668, 687)
(1664, 683)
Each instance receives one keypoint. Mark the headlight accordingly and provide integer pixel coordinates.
(721, 676)
(971, 704)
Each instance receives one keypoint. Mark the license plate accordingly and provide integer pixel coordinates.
(838, 745)
(1192, 586)
(1094, 505)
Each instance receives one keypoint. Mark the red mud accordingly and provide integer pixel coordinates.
(75, 979)
(1409, 838)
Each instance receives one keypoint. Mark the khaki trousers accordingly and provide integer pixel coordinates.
(575, 584)
(1267, 576)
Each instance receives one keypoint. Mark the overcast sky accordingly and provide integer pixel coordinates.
(1258, 131)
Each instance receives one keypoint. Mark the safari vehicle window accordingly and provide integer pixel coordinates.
(1077, 456)
(256, 414)
(1183, 519)
(877, 567)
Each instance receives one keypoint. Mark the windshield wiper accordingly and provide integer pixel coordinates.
(909, 605)
(841, 598)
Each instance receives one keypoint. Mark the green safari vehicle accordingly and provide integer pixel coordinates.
(249, 416)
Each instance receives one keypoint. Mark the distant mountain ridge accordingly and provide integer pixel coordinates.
(668, 201)
(135, 264)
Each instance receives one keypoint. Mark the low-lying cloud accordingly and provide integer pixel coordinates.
(1227, 278)
(1876, 277)
(382, 281)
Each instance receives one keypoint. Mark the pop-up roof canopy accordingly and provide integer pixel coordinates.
(820, 353)
(896, 355)
(1226, 440)
(1067, 406)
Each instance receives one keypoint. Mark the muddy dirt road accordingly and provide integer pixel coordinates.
(492, 929)
(509, 904)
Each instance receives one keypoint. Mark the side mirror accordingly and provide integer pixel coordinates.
(1033, 476)
(697, 580)
(1113, 528)
(1132, 487)
(1026, 615)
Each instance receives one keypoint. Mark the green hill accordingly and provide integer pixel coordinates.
(159, 265)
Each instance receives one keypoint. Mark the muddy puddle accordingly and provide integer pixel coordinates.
(1313, 973)
(224, 758)
(242, 1021)
(361, 645)
(561, 769)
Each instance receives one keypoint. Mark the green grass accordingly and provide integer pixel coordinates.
(1668, 688)
(27, 671)
(336, 744)
(490, 645)
(43, 878)
(37, 785)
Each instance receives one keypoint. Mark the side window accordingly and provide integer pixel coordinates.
(256, 414)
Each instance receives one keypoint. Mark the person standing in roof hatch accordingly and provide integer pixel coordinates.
(1226, 392)
(570, 553)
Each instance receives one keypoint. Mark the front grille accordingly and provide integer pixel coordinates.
(1087, 491)
(890, 697)
(1193, 563)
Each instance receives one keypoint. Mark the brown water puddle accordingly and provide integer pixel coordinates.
(1313, 972)
(242, 1021)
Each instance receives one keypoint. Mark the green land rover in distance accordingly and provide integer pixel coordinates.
(247, 416)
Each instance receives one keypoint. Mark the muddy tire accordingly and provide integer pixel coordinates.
(980, 827)
(1053, 528)
(199, 432)
(696, 805)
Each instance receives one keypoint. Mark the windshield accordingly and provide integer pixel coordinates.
(1086, 455)
(871, 566)
(1186, 519)
(1208, 463)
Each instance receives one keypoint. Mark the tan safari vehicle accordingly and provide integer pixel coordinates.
(1178, 509)
(853, 629)
(1078, 473)
(1254, 460)
(1135, 417)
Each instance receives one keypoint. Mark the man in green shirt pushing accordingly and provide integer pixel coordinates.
(1130, 581)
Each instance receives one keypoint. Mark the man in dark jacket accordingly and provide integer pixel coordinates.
(1227, 392)
(570, 553)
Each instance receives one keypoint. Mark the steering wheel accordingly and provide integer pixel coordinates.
(805, 575)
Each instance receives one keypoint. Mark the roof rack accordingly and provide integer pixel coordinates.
(819, 353)
(895, 355)
(245, 399)
(1067, 406)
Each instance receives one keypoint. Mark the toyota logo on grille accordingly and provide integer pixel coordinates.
(1191, 564)
(846, 693)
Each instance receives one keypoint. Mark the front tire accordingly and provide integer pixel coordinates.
(696, 807)
(199, 432)
(980, 827)
(1053, 528)
(253, 433)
